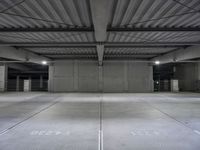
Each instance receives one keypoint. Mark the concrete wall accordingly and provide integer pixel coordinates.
(188, 75)
(87, 76)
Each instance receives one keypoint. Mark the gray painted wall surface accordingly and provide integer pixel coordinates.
(188, 75)
(113, 76)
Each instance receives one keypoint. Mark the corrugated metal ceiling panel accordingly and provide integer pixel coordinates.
(76, 14)
(44, 13)
(48, 37)
(155, 13)
(63, 50)
(72, 56)
(110, 57)
(136, 51)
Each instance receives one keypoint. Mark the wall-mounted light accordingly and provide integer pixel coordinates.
(157, 62)
(44, 62)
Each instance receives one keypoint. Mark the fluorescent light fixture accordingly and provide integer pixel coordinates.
(44, 62)
(157, 62)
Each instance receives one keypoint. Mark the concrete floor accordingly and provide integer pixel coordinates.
(43, 121)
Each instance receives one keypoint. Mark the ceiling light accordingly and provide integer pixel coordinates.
(44, 62)
(157, 62)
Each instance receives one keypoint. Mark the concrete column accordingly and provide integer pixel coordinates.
(41, 81)
(3, 77)
(50, 81)
(17, 83)
(75, 75)
(30, 83)
(151, 84)
(198, 71)
(126, 76)
(198, 77)
(101, 78)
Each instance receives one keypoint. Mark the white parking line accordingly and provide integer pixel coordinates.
(100, 135)
(31, 116)
(196, 131)
(100, 143)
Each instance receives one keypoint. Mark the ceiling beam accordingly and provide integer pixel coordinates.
(65, 54)
(77, 55)
(179, 55)
(49, 44)
(110, 29)
(130, 44)
(61, 29)
(153, 29)
(100, 11)
(93, 44)
(21, 55)
(27, 72)
(100, 52)
(18, 67)
(107, 54)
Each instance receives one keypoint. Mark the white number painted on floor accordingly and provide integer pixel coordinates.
(145, 133)
(49, 133)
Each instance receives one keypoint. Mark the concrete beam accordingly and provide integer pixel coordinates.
(153, 29)
(99, 9)
(100, 13)
(51, 29)
(100, 52)
(20, 55)
(110, 29)
(18, 67)
(93, 44)
(179, 55)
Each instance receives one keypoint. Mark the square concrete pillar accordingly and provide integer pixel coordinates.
(76, 74)
(126, 63)
(41, 81)
(51, 76)
(3, 77)
(17, 83)
(100, 78)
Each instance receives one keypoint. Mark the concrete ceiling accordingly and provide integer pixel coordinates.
(99, 29)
